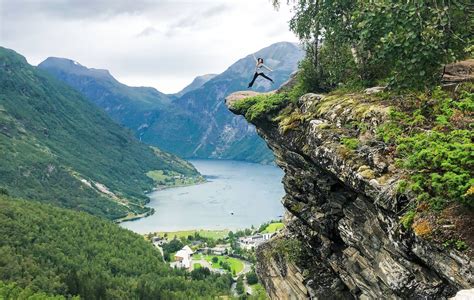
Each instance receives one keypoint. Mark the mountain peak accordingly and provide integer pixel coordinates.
(73, 67)
(196, 83)
(282, 57)
(11, 55)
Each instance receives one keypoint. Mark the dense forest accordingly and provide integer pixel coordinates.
(54, 251)
(59, 148)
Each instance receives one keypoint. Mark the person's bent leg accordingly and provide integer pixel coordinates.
(253, 80)
(266, 77)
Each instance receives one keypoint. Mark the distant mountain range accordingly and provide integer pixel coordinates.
(195, 84)
(59, 148)
(193, 123)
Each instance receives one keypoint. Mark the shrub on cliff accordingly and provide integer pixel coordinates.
(433, 138)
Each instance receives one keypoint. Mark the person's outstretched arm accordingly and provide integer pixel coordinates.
(267, 68)
(254, 57)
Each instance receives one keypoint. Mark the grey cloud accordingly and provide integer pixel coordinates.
(79, 9)
(148, 31)
(216, 10)
(196, 18)
(187, 22)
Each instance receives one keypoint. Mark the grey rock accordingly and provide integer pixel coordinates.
(341, 207)
(375, 90)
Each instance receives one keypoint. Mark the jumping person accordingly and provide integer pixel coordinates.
(259, 70)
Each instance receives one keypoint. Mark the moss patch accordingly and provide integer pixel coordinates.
(257, 107)
(350, 143)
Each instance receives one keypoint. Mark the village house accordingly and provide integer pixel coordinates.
(158, 241)
(182, 258)
(217, 250)
(250, 242)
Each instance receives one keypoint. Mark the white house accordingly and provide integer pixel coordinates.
(188, 250)
(183, 257)
(250, 242)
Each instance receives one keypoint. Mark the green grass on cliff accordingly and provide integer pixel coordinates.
(350, 143)
(265, 105)
(432, 134)
(256, 107)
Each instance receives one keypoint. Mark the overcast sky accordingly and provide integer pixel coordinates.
(159, 43)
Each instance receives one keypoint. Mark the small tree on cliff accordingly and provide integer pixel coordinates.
(402, 42)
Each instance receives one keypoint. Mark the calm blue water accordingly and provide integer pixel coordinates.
(251, 192)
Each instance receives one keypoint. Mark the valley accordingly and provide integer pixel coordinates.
(67, 170)
(343, 170)
(194, 123)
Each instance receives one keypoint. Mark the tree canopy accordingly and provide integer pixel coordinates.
(46, 250)
(402, 43)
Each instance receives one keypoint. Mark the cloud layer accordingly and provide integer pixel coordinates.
(160, 43)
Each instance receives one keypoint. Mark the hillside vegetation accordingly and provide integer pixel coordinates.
(45, 250)
(58, 148)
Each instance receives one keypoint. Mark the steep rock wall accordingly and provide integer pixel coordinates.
(343, 213)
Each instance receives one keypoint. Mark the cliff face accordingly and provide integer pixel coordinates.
(343, 237)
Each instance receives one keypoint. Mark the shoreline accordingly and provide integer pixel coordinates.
(167, 187)
(151, 210)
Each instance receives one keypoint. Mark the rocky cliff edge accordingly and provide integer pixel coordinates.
(343, 237)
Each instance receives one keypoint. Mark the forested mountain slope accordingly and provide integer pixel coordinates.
(61, 252)
(59, 148)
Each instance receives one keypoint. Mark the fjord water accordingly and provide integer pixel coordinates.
(235, 196)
